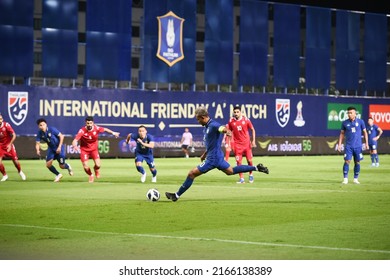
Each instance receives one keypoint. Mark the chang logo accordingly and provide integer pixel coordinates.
(333, 116)
(337, 113)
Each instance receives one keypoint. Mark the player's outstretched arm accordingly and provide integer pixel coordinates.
(128, 138)
(341, 138)
(116, 134)
(75, 146)
(37, 148)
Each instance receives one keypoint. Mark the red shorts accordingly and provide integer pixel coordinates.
(11, 154)
(86, 155)
(240, 151)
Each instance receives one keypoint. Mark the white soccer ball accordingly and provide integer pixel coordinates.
(153, 195)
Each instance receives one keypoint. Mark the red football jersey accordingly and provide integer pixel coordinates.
(240, 130)
(88, 139)
(6, 133)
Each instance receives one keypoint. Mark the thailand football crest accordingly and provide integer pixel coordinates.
(170, 38)
(17, 106)
(282, 111)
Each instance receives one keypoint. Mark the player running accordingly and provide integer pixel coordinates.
(186, 142)
(143, 152)
(352, 129)
(240, 127)
(374, 132)
(55, 151)
(7, 149)
(88, 138)
(213, 157)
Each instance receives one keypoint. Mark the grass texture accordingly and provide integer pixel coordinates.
(300, 211)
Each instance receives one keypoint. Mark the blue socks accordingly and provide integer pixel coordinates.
(53, 170)
(345, 170)
(186, 185)
(141, 169)
(243, 169)
(356, 171)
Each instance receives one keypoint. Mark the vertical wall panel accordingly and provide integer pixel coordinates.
(375, 51)
(318, 39)
(253, 63)
(184, 71)
(108, 50)
(219, 42)
(153, 68)
(59, 38)
(347, 50)
(286, 45)
(16, 37)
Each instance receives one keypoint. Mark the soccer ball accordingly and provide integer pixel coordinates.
(153, 195)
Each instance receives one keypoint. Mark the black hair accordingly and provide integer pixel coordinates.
(41, 120)
(89, 119)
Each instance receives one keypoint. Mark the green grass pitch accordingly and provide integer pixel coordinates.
(300, 211)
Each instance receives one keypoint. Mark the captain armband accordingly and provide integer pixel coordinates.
(221, 128)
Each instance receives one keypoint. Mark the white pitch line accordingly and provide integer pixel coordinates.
(267, 244)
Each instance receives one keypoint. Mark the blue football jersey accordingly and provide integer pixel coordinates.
(373, 132)
(140, 148)
(50, 136)
(213, 139)
(353, 132)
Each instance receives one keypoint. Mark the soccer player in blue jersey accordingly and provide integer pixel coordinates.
(374, 132)
(143, 152)
(213, 157)
(55, 150)
(352, 130)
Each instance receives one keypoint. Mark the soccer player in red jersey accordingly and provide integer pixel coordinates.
(240, 127)
(87, 136)
(7, 149)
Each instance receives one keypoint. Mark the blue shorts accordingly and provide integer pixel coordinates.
(373, 146)
(356, 153)
(210, 164)
(148, 158)
(51, 155)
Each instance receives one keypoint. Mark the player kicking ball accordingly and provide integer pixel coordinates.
(213, 157)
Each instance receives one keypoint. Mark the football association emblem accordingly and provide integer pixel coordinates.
(282, 111)
(17, 106)
(170, 38)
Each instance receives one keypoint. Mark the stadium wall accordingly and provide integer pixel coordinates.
(166, 114)
(110, 147)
